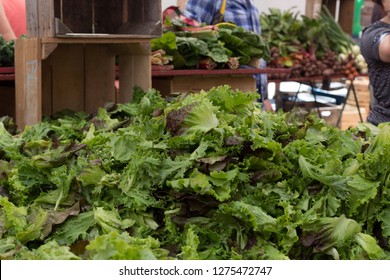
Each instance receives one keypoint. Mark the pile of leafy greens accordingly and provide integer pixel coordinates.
(202, 176)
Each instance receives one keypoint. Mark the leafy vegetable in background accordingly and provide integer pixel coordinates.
(201, 176)
(310, 46)
(188, 48)
(7, 52)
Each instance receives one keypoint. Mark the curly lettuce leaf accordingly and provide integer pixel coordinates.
(370, 246)
(13, 217)
(328, 232)
(252, 215)
(110, 221)
(48, 251)
(337, 182)
(8, 144)
(115, 246)
(74, 228)
(235, 102)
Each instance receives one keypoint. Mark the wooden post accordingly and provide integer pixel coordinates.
(346, 12)
(28, 81)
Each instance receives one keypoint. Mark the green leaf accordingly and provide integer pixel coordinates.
(115, 246)
(110, 221)
(370, 246)
(327, 232)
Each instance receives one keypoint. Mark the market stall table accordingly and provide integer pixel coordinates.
(7, 74)
(193, 80)
(7, 91)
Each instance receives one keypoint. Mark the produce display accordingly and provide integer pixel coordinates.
(307, 46)
(224, 45)
(201, 176)
(310, 46)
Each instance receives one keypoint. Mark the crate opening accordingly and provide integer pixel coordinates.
(111, 17)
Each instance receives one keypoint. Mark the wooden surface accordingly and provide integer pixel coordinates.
(51, 18)
(174, 81)
(214, 72)
(77, 76)
(67, 76)
(40, 18)
(134, 70)
(28, 82)
(96, 39)
(198, 83)
(99, 77)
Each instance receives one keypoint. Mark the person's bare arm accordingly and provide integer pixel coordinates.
(5, 28)
(384, 48)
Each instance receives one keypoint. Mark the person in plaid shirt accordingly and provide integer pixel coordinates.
(240, 12)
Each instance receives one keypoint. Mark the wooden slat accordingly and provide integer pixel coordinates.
(133, 49)
(76, 15)
(126, 78)
(181, 84)
(108, 15)
(32, 18)
(125, 11)
(68, 78)
(28, 82)
(195, 84)
(214, 72)
(152, 11)
(142, 71)
(99, 78)
(163, 85)
(141, 17)
(46, 18)
(47, 98)
(134, 70)
(144, 18)
(97, 39)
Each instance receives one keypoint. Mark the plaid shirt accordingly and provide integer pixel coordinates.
(241, 12)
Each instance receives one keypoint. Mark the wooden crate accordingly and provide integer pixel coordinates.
(69, 59)
(184, 84)
(76, 74)
(52, 18)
